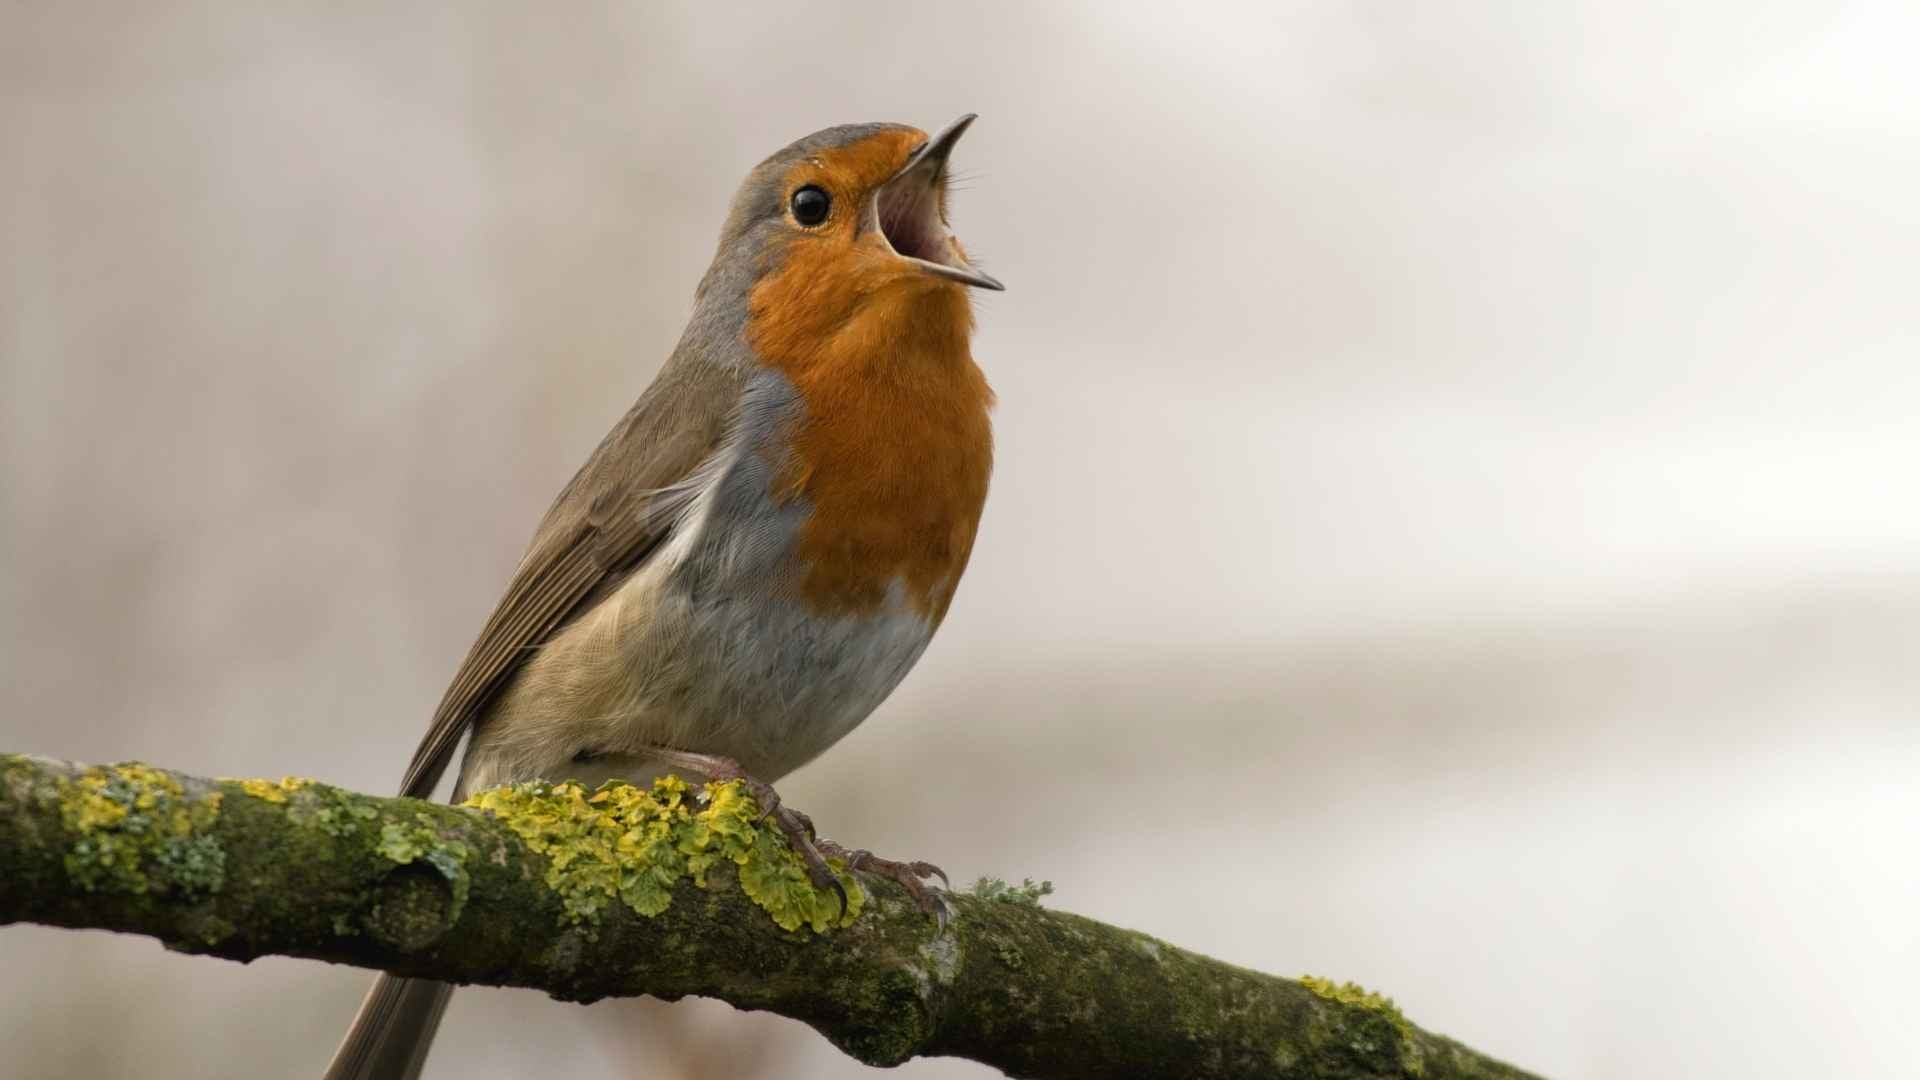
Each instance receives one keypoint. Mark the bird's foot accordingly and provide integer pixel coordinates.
(911, 876)
(794, 825)
(814, 852)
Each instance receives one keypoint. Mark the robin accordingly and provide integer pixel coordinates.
(762, 547)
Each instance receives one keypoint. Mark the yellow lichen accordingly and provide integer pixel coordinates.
(88, 807)
(137, 830)
(271, 790)
(1351, 993)
(633, 844)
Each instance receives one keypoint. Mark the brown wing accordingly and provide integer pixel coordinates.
(610, 518)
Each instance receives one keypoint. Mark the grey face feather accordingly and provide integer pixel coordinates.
(759, 212)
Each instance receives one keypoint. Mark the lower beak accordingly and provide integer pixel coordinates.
(909, 211)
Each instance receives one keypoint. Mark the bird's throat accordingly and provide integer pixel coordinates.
(892, 448)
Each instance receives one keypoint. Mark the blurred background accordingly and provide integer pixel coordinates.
(1455, 524)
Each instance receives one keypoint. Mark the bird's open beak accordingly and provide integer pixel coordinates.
(909, 211)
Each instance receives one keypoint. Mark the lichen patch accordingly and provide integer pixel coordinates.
(942, 954)
(633, 844)
(1355, 995)
(1027, 893)
(135, 829)
(421, 842)
(273, 791)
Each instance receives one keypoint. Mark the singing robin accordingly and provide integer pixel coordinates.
(762, 547)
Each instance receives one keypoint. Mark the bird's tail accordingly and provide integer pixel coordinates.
(392, 1032)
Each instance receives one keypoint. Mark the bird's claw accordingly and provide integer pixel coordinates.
(908, 875)
(798, 829)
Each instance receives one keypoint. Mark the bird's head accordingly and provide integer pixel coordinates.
(847, 228)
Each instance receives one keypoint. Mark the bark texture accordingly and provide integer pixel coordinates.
(626, 893)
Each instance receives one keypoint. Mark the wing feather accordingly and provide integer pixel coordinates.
(614, 514)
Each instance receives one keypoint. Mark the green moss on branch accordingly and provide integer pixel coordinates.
(628, 891)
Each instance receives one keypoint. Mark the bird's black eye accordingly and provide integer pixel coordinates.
(810, 206)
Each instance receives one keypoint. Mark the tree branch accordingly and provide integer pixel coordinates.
(634, 892)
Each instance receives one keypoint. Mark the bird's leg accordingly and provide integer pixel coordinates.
(796, 826)
(798, 829)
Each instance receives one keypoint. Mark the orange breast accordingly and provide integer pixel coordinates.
(894, 451)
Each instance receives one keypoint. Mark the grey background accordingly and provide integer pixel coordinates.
(1454, 529)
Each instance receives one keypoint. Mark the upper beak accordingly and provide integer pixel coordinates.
(909, 211)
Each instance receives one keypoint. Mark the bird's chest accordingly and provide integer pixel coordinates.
(819, 566)
(886, 478)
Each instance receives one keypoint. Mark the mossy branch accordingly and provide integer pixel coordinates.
(627, 892)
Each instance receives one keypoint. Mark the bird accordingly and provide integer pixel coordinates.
(763, 546)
